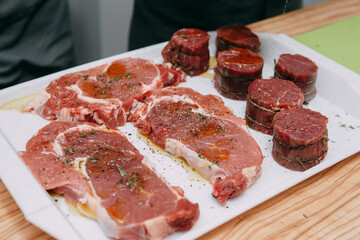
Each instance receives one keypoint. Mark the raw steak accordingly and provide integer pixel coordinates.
(105, 177)
(203, 131)
(266, 97)
(191, 41)
(299, 69)
(236, 36)
(188, 49)
(300, 138)
(103, 94)
(235, 70)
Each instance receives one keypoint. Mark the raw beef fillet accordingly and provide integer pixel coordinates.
(103, 94)
(300, 138)
(203, 131)
(105, 177)
(235, 70)
(188, 49)
(236, 36)
(299, 69)
(266, 97)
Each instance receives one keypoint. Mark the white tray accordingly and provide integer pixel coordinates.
(337, 98)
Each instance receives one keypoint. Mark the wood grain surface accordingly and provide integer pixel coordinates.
(325, 206)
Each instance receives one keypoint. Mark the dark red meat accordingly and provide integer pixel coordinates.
(300, 138)
(299, 69)
(236, 69)
(191, 41)
(203, 131)
(188, 49)
(104, 176)
(231, 87)
(191, 64)
(236, 36)
(266, 97)
(103, 94)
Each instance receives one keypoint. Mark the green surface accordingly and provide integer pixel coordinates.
(339, 41)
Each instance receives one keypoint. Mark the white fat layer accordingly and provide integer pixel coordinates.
(65, 114)
(157, 228)
(251, 174)
(57, 148)
(206, 168)
(37, 102)
(97, 119)
(177, 98)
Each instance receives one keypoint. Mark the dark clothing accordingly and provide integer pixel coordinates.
(155, 21)
(35, 39)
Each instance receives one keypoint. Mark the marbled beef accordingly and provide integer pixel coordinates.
(266, 97)
(299, 69)
(105, 177)
(103, 94)
(300, 138)
(203, 131)
(235, 70)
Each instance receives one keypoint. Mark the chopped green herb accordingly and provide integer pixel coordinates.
(349, 126)
(118, 199)
(67, 161)
(92, 159)
(209, 166)
(82, 135)
(305, 216)
(85, 77)
(200, 156)
(132, 86)
(183, 35)
(68, 150)
(103, 92)
(215, 162)
(92, 132)
(218, 128)
(128, 75)
(74, 148)
(306, 103)
(104, 148)
(121, 170)
(201, 116)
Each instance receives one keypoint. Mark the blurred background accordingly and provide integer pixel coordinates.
(94, 39)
